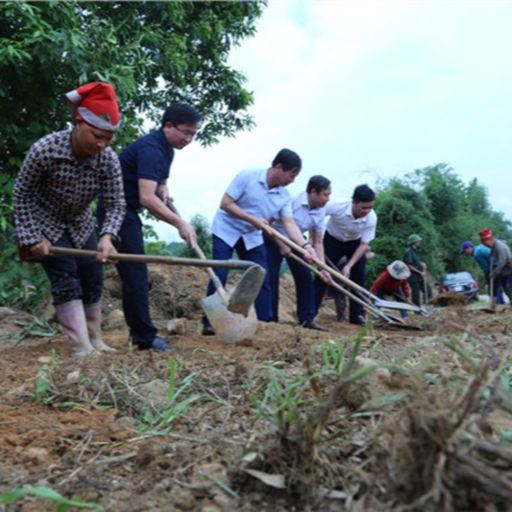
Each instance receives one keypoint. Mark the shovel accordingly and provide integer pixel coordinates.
(369, 307)
(376, 301)
(492, 298)
(229, 327)
(224, 308)
(392, 320)
(242, 297)
(425, 308)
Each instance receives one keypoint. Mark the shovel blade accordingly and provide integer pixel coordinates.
(391, 304)
(244, 294)
(229, 327)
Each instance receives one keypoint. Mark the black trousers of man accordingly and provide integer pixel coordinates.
(334, 250)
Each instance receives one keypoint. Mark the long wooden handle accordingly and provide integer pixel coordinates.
(371, 309)
(147, 258)
(321, 264)
(209, 268)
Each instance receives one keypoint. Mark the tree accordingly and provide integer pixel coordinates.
(444, 191)
(436, 204)
(153, 52)
(204, 239)
(401, 211)
(476, 199)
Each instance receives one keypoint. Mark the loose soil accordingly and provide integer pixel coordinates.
(410, 435)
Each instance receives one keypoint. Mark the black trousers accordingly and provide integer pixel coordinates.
(73, 278)
(504, 281)
(304, 284)
(134, 277)
(334, 250)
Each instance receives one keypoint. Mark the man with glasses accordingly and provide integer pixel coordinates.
(146, 164)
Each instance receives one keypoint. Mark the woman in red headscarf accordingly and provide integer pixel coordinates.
(61, 175)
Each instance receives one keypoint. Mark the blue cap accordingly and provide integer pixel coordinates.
(465, 245)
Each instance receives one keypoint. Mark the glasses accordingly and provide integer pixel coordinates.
(189, 134)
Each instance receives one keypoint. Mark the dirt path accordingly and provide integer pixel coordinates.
(108, 430)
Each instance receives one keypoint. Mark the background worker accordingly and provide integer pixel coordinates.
(418, 268)
(482, 255)
(393, 281)
(252, 201)
(500, 253)
(146, 165)
(61, 175)
(308, 210)
(350, 229)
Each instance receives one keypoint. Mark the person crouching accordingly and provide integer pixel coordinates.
(393, 281)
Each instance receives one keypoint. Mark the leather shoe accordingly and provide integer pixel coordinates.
(313, 325)
(208, 330)
(358, 320)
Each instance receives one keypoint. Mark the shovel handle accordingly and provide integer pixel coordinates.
(321, 264)
(213, 276)
(371, 309)
(147, 258)
(209, 268)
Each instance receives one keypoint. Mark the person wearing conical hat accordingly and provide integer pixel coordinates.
(61, 175)
(393, 281)
(418, 268)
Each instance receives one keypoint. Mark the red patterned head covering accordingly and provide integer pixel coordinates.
(96, 104)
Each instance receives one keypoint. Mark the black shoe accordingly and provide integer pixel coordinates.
(313, 325)
(208, 330)
(358, 320)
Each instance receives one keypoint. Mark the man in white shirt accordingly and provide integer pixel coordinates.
(309, 214)
(254, 200)
(350, 230)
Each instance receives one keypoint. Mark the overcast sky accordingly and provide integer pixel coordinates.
(364, 90)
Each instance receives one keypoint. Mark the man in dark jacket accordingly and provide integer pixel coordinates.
(146, 164)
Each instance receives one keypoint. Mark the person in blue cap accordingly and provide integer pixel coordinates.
(482, 255)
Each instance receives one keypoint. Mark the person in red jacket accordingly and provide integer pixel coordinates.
(393, 281)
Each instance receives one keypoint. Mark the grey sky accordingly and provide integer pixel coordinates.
(364, 90)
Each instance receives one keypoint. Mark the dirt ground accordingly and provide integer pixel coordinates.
(111, 430)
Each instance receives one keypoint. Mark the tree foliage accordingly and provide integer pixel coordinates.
(434, 203)
(153, 52)
(204, 239)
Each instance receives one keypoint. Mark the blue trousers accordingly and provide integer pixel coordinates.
(222, 251)
(134, 277)
(334, 250)
(304, 285)
(73, 278)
